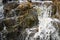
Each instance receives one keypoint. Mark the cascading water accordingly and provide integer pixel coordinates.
(46, 28)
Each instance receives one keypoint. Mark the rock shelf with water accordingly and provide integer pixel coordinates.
(28, 21)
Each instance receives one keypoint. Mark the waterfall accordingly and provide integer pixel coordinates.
(46, 28)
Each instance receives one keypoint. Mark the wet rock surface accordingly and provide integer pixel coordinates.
(20, 22)
(9, 8)
(56, 9)
(16, 20)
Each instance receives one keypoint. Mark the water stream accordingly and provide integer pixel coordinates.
(46, 28)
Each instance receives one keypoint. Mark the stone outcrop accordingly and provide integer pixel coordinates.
(18, 17)
(56, 8)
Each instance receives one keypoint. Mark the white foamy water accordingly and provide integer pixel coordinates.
(46, 29)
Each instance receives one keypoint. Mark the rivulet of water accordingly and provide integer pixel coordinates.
(47, 27)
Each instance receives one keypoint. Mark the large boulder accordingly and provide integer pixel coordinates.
(23, 17)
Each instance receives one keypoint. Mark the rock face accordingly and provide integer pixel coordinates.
(56, 3)
(56, 9)
(17, 19)
(8, 9)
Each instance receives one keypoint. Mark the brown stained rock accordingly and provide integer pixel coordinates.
(56, 3)
(25, 6)
(29, 19)
(10, 5)
(28, 15)
(56, 8)
(25, 16)
(8, 8)
(9, 23)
